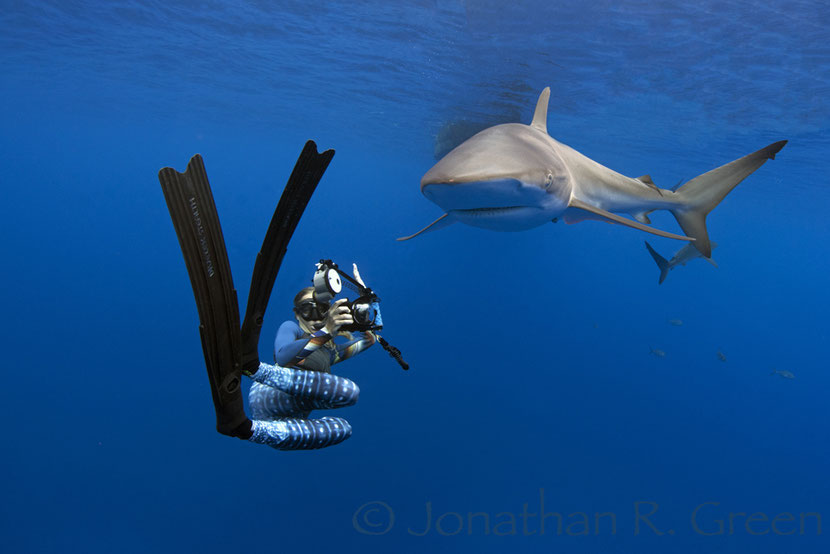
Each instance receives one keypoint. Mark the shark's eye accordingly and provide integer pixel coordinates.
(548, 179)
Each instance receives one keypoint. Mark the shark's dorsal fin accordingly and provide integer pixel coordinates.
(576, 203)
(439, 223)
(540, 116)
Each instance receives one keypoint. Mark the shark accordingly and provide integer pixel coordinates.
(783, 373)
(686, 254)
(514, 177)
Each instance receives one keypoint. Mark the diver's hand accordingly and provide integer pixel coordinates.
(338, 316)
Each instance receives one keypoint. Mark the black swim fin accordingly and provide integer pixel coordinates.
(307, 173)
(194, 216)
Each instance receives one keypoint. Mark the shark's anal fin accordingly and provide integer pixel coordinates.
(576, 203)
(642, 217)
(439, 223)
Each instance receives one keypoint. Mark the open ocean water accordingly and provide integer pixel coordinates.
(533, 389)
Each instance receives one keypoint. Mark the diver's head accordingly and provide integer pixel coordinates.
(310, 313)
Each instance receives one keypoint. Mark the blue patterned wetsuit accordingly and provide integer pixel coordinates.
(283, 395)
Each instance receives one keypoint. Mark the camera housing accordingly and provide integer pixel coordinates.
(328, 282)
(363, 313)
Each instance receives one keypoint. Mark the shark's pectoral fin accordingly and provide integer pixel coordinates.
(576, 203)
(439, 223)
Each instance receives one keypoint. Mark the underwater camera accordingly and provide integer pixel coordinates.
(328, 284)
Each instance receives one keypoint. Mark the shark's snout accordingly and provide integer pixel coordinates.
(437, 177)
(505, 178)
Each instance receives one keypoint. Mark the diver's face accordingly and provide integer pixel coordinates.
(312, 323)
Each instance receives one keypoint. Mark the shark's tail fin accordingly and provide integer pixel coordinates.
(703, 193)
(661, 263)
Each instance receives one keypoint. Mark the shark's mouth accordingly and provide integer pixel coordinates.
(490, 211)
(507, 218)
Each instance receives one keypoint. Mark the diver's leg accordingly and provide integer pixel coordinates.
(301, 434)
(268, 403)
(312, 389)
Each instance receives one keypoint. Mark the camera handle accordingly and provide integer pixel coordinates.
(394, 352)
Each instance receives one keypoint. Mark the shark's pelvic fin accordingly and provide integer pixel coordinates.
(439, 223)
(576, 203)
(540, 116)
(662, 263)
(703, 193)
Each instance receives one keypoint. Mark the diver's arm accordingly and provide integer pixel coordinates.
(347, 350)
(291, 347)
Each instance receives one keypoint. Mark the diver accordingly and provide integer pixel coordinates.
(304, 352)
(231, 349)
(285, 395)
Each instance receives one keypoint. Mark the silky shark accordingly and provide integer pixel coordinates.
(681, 257)
(513, 177)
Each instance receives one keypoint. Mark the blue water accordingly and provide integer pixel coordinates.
(531, 373)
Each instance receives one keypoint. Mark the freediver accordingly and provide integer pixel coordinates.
(304, 352)
(231, 349)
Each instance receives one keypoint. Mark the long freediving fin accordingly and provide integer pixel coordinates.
(194, 216)
(576, 203)
(307, 173)
(196, 221)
